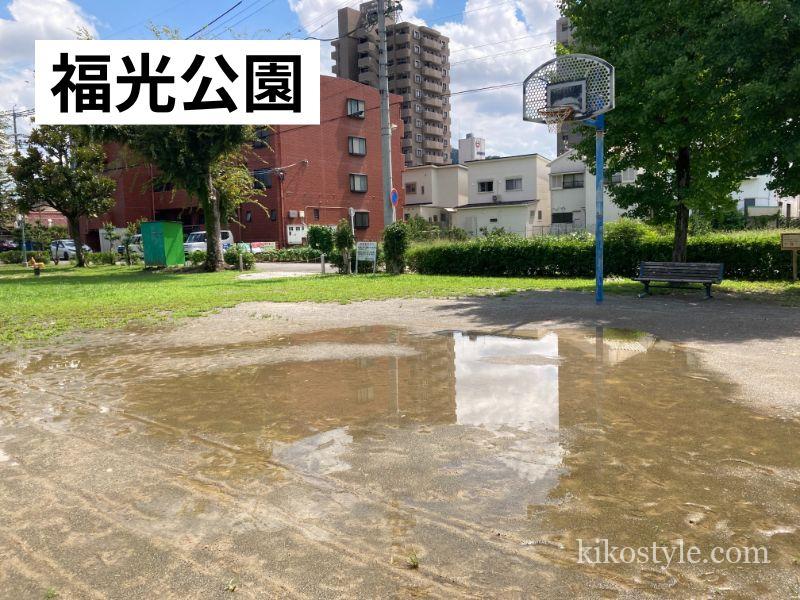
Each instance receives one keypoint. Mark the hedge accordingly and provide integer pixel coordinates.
(746, 255)
(11, 257)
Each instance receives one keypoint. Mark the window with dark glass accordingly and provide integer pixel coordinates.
(358, 182)
(248, 216)
(572, 180)
(562, 217)
(355, 108)
(262, 179)
(361, 220)
(357, 145)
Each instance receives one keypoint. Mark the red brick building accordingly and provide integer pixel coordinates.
(313, 174)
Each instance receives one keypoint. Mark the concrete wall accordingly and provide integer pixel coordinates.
(512, 218)
(442, 186)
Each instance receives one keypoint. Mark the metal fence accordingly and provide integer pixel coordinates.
(554, 229)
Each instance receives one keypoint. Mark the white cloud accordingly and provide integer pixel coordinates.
(508, 26)
(31, 20)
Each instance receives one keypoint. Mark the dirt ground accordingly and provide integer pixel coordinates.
(278, 450)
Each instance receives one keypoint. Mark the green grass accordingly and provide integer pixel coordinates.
(66, 298)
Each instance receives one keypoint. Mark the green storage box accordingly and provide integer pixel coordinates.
(162, 243)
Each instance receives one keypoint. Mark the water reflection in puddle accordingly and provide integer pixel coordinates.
(542, 438)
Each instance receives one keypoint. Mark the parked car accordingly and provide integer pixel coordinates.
(7, 245)
(65, 249)
(135, 247)
(197, 241)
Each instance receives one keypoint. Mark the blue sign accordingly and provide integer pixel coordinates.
(393, 197)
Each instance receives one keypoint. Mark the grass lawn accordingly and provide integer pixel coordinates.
(66, 298)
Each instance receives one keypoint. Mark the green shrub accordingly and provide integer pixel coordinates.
(197, 257)
(395, 244)
(746, 255)
(15, 256)
(295, 254)
(102, 258)
(320, 238)
(234, 253)
(337, 260)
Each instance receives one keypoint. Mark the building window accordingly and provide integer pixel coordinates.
(316, 214)
(411, 188)
(419, 122)
(514, 185)
(423, 189)
(416, 49)
(419, 151)
(555, 182)
(273, 215)
(493, 220)
(416, 35)
(418, 108)
(616, 178)
(540, 215)
(418, 78)
(416, 64)
(419, 137)
(562, 217)
(262, 179)
(357, 145)
(355, 108)
(358, 182)
(572, 180)
(485, 187)
(444, 72)
(262, 138)
(361, 220)
(418, 93)
(248, 216)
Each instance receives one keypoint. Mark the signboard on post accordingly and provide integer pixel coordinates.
(367, 252)
(791, 242)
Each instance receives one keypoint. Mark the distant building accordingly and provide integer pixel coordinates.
(454, 156)
(755, 199)
(418, 61)
(435, 192)
(471, 148)
(510, 193)
(311, 174)
(572, 194)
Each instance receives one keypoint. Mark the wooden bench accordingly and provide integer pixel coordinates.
(675, 273)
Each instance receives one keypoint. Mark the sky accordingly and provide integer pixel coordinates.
(491, 42)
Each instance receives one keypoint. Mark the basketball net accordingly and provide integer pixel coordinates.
(555, 116)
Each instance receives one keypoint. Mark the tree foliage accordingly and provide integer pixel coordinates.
(63, 168)
(344, 240)
(320, 238)
(678, 112)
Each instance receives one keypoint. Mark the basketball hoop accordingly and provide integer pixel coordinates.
(555, 116)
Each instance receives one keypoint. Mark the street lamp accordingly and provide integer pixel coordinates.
(21, 225)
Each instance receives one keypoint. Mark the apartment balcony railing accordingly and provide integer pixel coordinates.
(431, 58)
(434, 130)
(434, 159)
(432, 101)
(433, 145)
(432, 73)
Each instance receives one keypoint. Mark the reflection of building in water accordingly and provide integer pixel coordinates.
(506, 381)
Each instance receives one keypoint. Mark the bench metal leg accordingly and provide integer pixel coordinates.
(646, 289)
(708, 291)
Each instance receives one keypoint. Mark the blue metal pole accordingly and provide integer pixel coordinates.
(600, 123)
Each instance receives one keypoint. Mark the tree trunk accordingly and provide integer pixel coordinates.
(683, 180)
(214, 259)
(75, 234)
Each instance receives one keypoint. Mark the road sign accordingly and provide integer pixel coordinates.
(368, 252)
(791, 241)
(394, 197)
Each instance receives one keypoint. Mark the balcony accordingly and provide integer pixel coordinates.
(434, 130)
(434, 116)
(402, 53)
(432, 73)
(431, 86)
(435, 45)
(402, 38)
(433, 145)
(368, 78)
(369, 48)
(433, 159)
(407, 113)
(434, 59)
(432, 101)
(367, 61)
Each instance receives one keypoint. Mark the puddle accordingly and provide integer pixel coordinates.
(493, 459)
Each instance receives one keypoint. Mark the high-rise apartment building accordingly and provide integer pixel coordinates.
(568, 135)
(471, 148)
(418, 61)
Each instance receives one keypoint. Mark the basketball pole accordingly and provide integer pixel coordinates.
(599, 138)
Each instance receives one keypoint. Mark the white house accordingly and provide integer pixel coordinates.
(434, 192)
(755, 199)
(511, 193)
(572, 194)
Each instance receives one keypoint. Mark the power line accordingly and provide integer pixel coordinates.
(500, 54)
(530, 35)
(244, 18)
(207, 25)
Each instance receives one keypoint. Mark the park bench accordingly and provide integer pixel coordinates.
(674, 273)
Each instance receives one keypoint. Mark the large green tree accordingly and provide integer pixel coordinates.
(678, 115)
(189, 157)
(63, 168)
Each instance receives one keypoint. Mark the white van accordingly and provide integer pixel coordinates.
(197, 241)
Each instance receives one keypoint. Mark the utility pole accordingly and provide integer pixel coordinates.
(21, 217)
(386, 126)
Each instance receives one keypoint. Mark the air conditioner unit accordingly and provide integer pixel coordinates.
(292, 214)
(496, 198)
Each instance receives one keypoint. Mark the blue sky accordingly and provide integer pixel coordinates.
(492, 42)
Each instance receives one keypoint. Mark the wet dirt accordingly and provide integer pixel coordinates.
(327, 464)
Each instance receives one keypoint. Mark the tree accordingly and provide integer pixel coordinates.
(757, 46)
(110, 233)
(63, 168)
(344, 241)
(131, 230)
(677, 115)
(188, 156)
(395, 244)
(320, 238)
